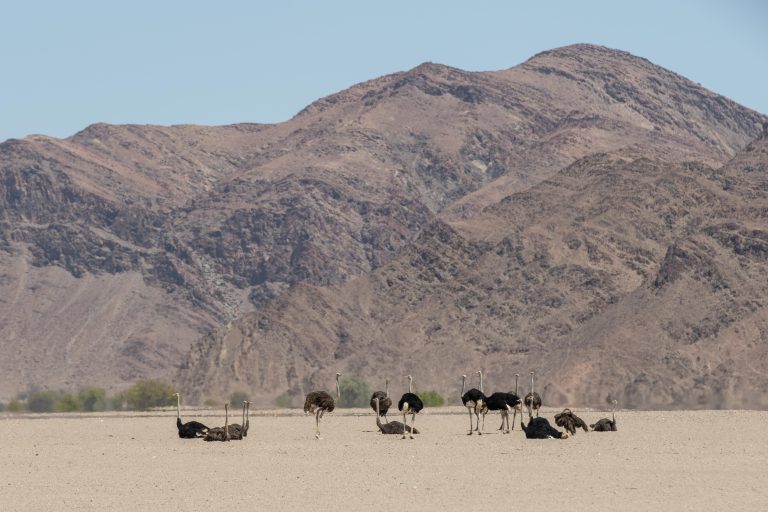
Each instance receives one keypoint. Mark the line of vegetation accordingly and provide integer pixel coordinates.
(143, 395)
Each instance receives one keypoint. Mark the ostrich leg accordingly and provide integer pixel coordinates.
(470, 421)
(405, 420)
(413, 424)
(317, 424)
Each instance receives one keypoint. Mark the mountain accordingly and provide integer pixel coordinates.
(125, 246)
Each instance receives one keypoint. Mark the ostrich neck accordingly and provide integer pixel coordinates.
(226, 422)
(338, 390)
(481, 382)
(516, 384)
(378, 421)
(386, 388)
(410, 385)
(178, 407)
(531, 383)
(463, 382)
(243, 424)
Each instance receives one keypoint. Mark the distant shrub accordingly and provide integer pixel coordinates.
(432, 399)
(67, 402)
(210, 402)
(355, 392)
(15, 406)
(42, 401)
(2, 406)
(285, 400)
(93, 399)
(148, 393)
(238, 397)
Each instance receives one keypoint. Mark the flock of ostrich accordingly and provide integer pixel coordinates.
(475, 400)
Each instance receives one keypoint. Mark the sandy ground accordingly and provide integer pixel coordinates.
(689, 460)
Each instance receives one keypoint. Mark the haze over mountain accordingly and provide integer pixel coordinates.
(587, 214)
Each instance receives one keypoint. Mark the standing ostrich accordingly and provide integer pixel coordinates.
(384, 401)
(519, 406)
(392, 427)
(503, 402)
(321, 402)
(410, 403)
(190, 429)
(570, 421)
(474, 401)
(604, 424)
(532, 401)
(219, 433)
(539, 428)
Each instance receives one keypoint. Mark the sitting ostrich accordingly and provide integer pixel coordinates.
(247, 419)
(539, 428)
(474, 401)
(410, 403)
(237, 431)
(321, 402)
(219, 433)
(190, 429)
(532, 400)
(392, 427)
(384, 401)
(604, 424)
(570, 421)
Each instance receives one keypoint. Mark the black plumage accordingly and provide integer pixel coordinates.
(409, 403)
(539, 428)
(474, 401)
(190, 429)
(604, 424)
(503, 402)
(570, 421)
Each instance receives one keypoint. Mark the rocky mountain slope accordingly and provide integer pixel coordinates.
(122, 245)
(620, 277)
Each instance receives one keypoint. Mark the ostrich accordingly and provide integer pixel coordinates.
(570, 421)
(191, 429)
(604, 424)
(237, 431)
(503, 402)
(532, 401)
(321, 402)
(410, 403)
(384, 401)
(392, 427)
(220, 433)
(247, 419)
(539, 428)
(473, 400)
(518, 407)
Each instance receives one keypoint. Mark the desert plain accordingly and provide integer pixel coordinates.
(662, 460)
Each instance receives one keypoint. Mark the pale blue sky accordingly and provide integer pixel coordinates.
(67, 64)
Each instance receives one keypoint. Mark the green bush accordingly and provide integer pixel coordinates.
(67, 402)
(93, 399)
(42, 401)
(148, 393)
(210, 402)
(431, 399)
(15, 406)
(237, 398)
(285, 400)
(2, 406)
(355, 392)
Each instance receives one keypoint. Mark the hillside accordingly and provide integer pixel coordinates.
(123, 245)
